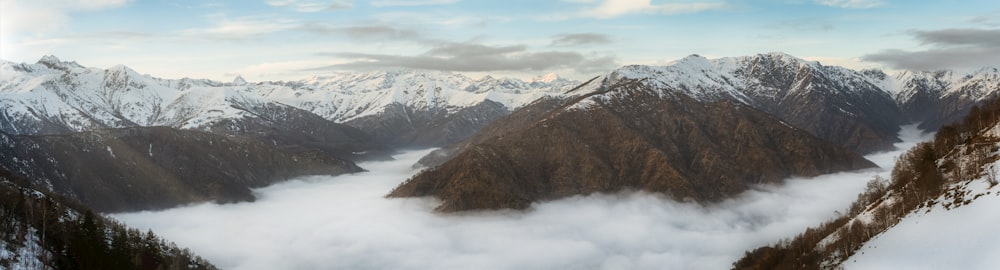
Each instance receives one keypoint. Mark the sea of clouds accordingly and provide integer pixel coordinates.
(344, 222)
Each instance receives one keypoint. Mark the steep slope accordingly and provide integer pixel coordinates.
(957, 169)
(411, 108)
(627, 134)
(400, 108)
(157, 167)
(39, 230)
(937, 98)
(56, 97)
(833, 103)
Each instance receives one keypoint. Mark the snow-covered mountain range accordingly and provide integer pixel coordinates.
(54, 96)
(403, 107)
(857, 109)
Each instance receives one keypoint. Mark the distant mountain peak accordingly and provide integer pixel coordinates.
(52, 61)
(239, 81)
(49, 59)
(547, 78)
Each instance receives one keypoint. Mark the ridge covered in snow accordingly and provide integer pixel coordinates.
(54, 96)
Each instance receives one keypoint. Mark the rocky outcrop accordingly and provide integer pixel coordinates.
(626, 135)
(157, 167)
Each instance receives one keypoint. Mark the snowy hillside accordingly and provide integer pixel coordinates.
(954, 237)
(344, 97)
(963, 216)
(834, 103)
(749, 79)
(936, 212)
(53, 96)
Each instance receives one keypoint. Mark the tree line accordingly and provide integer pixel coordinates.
(959, 152)
(60, 234)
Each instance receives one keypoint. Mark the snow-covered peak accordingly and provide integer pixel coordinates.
(51, 59)
(53, 62)
(239, 81)
(547, 78)
(748, 79)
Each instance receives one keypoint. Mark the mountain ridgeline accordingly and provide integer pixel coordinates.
(693, 130)
(628, 135)
(680, 127)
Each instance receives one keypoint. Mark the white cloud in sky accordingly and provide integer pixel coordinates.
(851, 3)
(32, 19)
(410, 3)
(345, 223)
(614, 8)
(312, 5)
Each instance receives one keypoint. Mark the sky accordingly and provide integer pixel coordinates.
(345, 222)
(295, 39)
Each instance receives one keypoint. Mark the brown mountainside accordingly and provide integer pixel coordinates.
(627, 136)
(157, 167)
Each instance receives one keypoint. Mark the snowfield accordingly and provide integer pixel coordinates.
(962, 237)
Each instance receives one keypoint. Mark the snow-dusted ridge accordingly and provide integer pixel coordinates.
(739, 78)
(54, 96)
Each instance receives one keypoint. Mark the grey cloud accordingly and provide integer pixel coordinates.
(467, 50)
(467, 57)
(361, 31)
(580, 39)
(952, 48)
(312, 5)
(972, 37)
(936, 59)
(991, 19)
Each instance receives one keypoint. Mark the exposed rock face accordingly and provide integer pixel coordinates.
(157, 167)
(627, 135)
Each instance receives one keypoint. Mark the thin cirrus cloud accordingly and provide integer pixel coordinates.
(312, 5)
(472, 57)
(579, 39)
(608, 9)
(410, 3)
(950, 48)
(858, 4)
(344, 222)
(241, 28)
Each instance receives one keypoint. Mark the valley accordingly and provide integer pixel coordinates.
(624, 170)
(345, 221)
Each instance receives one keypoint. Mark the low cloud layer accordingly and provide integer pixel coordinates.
(950, 48)
(473, 57)
(345, 223)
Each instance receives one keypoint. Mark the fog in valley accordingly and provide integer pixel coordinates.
(344, 222)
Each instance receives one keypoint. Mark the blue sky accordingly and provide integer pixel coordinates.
(294, 39)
